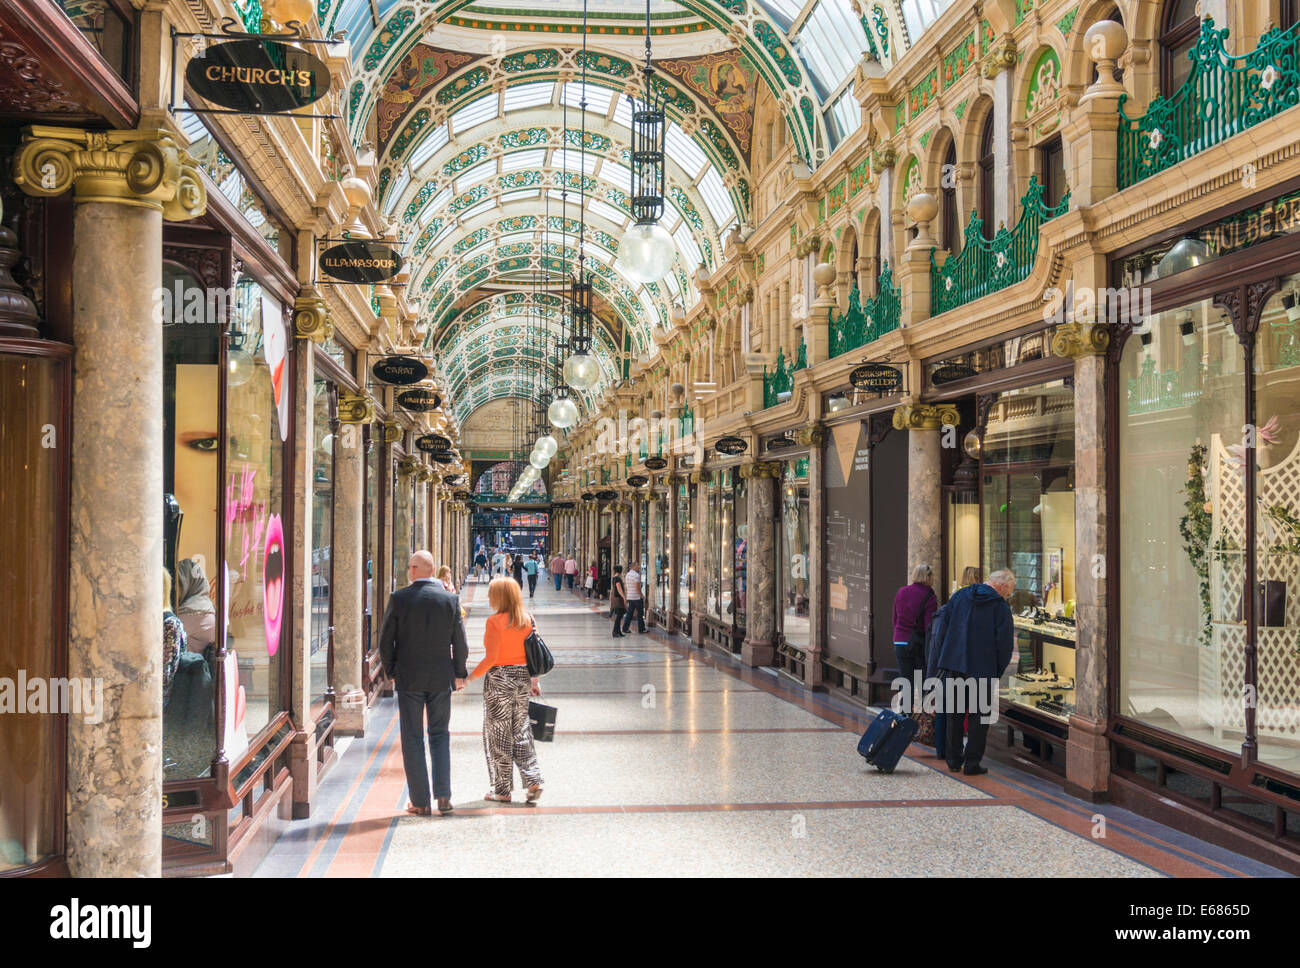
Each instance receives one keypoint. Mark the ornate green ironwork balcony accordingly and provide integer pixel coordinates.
(987, 265)
(862, 324)
(801, 358)
(1222, 96)
(1151, 391)
(685, 421)
(779, 381)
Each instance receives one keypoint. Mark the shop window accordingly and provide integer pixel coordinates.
(191, 481)
(322, 528)
(374, 552)
(793, 558)
(32, 517)
(259, 409)
(740, 545)
(987, 193)
(664, 552)
(685, 568)
(106, 26)
(950, 225)
(1051, 163)
(1182, 525)
(709, 539)
(1179, 29)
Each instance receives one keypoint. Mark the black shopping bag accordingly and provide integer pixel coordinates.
(542, 717)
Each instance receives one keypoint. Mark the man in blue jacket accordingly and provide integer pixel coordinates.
(972, 643)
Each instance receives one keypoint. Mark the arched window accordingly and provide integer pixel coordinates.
(950, 226)
(1177, 36)
(853, 267)
(985, 200)
(875, 250)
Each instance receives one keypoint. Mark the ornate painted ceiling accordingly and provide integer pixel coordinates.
(488, 163)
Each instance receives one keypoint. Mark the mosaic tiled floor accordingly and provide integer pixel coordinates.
(669, 761)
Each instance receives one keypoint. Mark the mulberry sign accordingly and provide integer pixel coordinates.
(258, 76)
(361, 262)
(401, 370)
(419, 400)
(877, 378)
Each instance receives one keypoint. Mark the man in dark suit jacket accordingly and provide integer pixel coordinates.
(422, 645)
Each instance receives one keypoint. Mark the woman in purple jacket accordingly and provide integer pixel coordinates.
(914, 608)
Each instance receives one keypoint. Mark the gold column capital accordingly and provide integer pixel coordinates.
(754, 469)
(408, 465)
(355, 408)
(1003, 57)
(392, 431)
(424, 472)
(145, 168)
(311, 317)
(925, 416)
(1076, 340)
(811, 436)
(702, 476)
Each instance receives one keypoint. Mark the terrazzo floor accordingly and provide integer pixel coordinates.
(672, 761)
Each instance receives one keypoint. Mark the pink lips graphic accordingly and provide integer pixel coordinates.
(273, 582)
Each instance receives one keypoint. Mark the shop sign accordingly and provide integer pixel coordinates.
(419, 400)
(588, 496)
(452, 480)
(951, 373)
(444, 456)
(400, 370)
(606, 495)
(877, 378)
(460, 495)
(781, 443)
(638, 480)
(656, 463)
(731, 446)
(258, 76)
(433, 443)
(361, 262)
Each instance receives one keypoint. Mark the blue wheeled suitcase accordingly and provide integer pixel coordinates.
(886, 740)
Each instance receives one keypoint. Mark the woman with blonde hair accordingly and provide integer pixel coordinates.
(507, 733)
(444, 576)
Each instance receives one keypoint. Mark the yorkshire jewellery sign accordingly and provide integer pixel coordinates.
(401, 370)
(731, 445)
(419, 399)
(361, 262)
(951, 373)
(258, 76)
(656, 463)
(433, 443)
(877, 378)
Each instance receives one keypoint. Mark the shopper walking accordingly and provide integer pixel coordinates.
(517, 569)
(556, 567)
(498, 562)
(618, 601)
(530, 569)
(635, 600)
(507, 733)
(422, 645)
(571, 570)
(480, 565)
(914, 608)
(444, 576)
(973, 642)
(593, 576)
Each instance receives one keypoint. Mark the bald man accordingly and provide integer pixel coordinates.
(422, 645)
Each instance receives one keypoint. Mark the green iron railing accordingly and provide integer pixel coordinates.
(779, 381)
(801, 358)
(987, 265)
(1223, 95)
(685, 421)
(859, 325)
(250, 12)
(1152, 391)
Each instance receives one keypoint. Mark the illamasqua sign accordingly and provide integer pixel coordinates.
(361, 262)
(258, 76)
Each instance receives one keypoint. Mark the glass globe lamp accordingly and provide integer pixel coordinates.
(646, 252)
(240, 363)
(562, 413)
(546, 444)
(538, 461)
(581, 371)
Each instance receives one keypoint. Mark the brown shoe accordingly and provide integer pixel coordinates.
(418, 811)
(444, 805)
(534, 794)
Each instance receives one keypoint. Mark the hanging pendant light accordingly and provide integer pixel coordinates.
(647, 251)
(548, 445)
(240, 363)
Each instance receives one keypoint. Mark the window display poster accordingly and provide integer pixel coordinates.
(847, 459)
(274, 347)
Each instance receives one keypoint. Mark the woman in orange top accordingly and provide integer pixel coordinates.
(507, 733)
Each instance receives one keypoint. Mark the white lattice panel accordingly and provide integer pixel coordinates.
(1223, 671)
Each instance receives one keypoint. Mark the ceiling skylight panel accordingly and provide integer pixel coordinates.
(529, 95)
(474, 114)
(435, 140)
(690, 252)
(476, 174)
(787, 11)
(680, 148)
(919, 14)
(566, 159)
(519, 195)
(623, 112)
(598, 98)
(716, 197)
(847, 113)
(670, 218)
(515, 238)
(395, 191)
(533, 158)
(617, 175)
(605, 210)
(832, 42)
(438, 203)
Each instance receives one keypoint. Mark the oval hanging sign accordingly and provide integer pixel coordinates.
(606, 495)
(361, 262)
(444, 457)
(731, 445)
(656, 463)
(460, 495)
(638, 480)
(455, 479)
(951, 373)
(419, 400)
(587, 495)
(433, 443)
(258, 76)
(400, 370)
(877, 378)
(780, 443)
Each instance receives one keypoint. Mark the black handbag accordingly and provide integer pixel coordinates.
(542, 717)
(537, 655)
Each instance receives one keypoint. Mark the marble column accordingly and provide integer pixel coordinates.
(1087, 755)
(813, 437)
(302, 756)
(625, 541)
(759, 648)
(637, 510)
(124, 184)
(653, 542)
(924, 495)
(349, 585)
(674, 555)
(401, 522)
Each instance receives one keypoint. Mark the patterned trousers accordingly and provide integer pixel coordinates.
(507, 734)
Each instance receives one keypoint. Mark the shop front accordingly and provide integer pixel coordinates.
(1204, 515)
(1009, 503)
(721, 548)
(685, 555)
